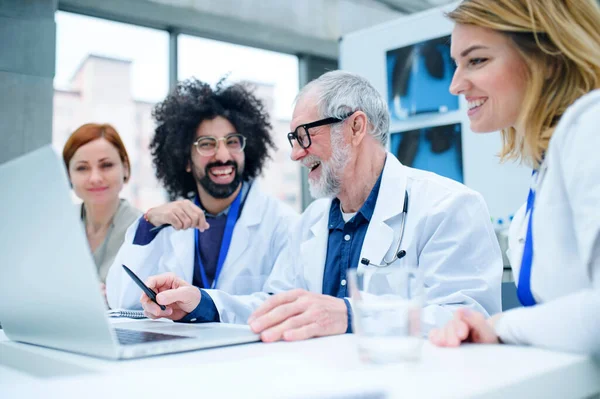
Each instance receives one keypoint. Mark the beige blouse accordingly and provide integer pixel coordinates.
(105, 254)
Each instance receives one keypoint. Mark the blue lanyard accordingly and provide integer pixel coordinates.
(232, 216)
(524, 289)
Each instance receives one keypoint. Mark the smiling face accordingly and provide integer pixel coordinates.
(219, 175)
(326, 157)
(492, 76)
(97, 172)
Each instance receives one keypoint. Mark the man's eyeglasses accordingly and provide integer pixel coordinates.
(208, 145)
(301, 134)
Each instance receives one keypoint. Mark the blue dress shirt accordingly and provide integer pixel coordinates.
(344, 246)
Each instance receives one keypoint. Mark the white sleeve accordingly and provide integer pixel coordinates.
(283, 277)
(461, 260)
(572, 322)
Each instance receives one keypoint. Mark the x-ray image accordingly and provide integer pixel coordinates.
(436, 149)
(419, 77)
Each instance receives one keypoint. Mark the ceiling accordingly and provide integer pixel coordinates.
(311, 27)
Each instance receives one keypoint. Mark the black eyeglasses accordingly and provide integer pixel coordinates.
(302, 136)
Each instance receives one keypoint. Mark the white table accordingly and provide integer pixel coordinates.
(321, 368)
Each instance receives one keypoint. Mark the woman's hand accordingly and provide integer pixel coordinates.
(466, 326)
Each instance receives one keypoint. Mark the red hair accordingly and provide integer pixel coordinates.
(94, 131)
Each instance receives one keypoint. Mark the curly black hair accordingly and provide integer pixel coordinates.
(178, 117)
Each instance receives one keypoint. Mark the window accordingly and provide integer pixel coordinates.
(275, 76)
(109, 72)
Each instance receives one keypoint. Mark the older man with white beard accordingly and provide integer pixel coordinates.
(339, 132)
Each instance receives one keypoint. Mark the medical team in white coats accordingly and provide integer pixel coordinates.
(542, 90)
(224, 233)
(339, 132)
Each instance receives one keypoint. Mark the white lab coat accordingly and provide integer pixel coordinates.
(260, 234)
(565, 274)
(448, 235)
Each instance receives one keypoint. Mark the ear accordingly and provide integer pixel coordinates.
(359, 127)
(188, 167)
(552, 68)
(125, 173)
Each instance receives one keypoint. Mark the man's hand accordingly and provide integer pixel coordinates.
(466, 326)
(179, 296)
(182, 215)
(299, 314)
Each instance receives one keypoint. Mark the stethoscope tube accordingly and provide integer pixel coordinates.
(399, 253)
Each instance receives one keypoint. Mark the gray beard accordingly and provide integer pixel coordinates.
(329, 185)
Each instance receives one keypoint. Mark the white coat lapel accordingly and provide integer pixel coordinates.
(183, 245)
(379, 239)
(251, 215)
(313, 253)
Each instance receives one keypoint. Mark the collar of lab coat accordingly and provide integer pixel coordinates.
(182, 241)
(380, 234)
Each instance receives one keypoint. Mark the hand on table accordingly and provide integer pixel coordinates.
(299, 314)
(466, 326)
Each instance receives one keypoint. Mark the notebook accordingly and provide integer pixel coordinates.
(129, 313)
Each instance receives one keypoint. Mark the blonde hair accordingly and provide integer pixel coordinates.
(559, 41)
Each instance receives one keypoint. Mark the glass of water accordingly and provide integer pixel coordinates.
(387, 303)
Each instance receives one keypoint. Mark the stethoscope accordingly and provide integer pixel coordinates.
(399, 253)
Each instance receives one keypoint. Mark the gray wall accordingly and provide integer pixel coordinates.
(27, 40)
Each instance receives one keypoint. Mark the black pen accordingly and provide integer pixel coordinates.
(151, 294)
(159, 227)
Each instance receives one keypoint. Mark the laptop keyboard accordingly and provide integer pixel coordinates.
(133, 337)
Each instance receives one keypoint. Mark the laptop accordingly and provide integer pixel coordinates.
(49, 288)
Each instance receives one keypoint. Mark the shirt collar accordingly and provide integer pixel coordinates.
(365, 212)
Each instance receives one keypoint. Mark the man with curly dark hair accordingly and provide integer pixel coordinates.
(219, 231)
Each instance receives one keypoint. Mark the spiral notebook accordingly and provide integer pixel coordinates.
(132, 314)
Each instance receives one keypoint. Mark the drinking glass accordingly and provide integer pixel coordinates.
(387, 303)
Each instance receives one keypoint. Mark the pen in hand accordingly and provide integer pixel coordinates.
(149, 292)
(159, 227)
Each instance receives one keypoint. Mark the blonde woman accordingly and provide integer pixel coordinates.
(531, 68)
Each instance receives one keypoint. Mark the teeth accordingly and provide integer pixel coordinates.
(476, 103)
(221, 172)
(313, 165)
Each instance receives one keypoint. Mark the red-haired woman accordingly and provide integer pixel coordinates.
(98, 167)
